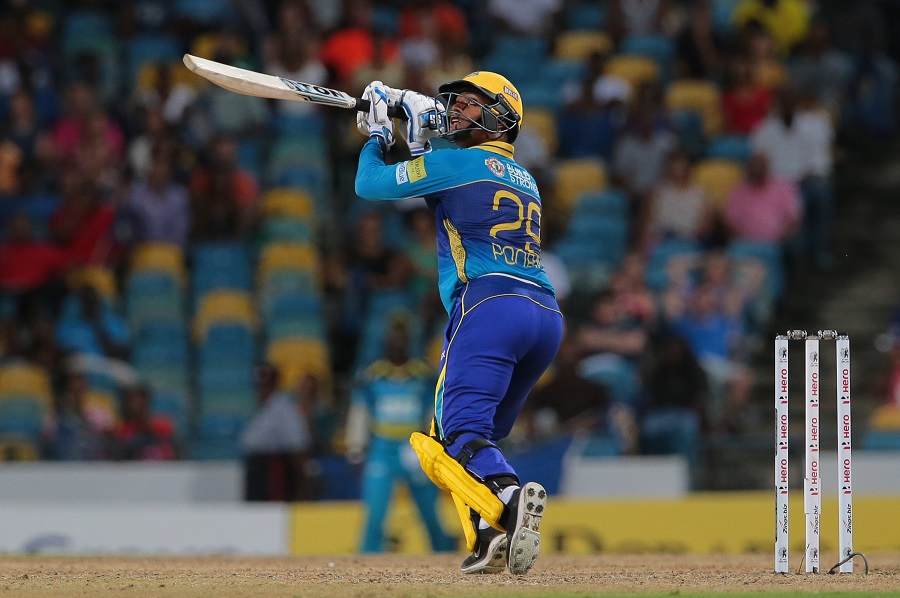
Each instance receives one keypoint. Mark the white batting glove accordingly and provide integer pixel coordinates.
(376, 122)
(426, 120)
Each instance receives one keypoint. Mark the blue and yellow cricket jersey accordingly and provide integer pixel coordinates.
(398, 397)
(487, 207)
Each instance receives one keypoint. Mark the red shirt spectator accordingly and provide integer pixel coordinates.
(429, 16)
(354, 44)
(25, 263)
(82, 225)
(80, 110)
(745, 103)
(142, 435)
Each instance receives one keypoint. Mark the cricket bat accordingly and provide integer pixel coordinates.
(261, 85)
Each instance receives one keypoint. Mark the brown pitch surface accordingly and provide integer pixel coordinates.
(421, 576)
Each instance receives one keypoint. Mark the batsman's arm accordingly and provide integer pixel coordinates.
(415, 178)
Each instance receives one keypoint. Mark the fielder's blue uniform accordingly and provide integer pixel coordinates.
(505, 325)
(398, 399)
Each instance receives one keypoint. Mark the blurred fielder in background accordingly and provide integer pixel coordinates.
(505, 324)
(392, 399)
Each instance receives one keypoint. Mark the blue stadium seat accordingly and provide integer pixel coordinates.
(22, 415)
(770, 255)
(213, 449)
(660, 48)
(730, 147)
(295, 327)
(616, 373)
(877, 440)
(589, 16)
(228, 343)
(609, 202)
(150, 48)
(206, 12)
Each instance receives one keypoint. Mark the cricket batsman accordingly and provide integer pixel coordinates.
(504, 323)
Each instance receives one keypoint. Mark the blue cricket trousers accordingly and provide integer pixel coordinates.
(501, 337)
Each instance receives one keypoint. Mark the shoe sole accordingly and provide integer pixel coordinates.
(496, 554)
(525, 541)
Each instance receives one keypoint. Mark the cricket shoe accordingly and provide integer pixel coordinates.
(526, 509)
(490, 553)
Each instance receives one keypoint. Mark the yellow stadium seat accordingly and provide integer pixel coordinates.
(224, 306)
(26, 380)
(296, 357)
(885, 418)
(147, 76)
(543, 122)
(718, 177)
(294, 203)
(101, 278)
(165, 257)
(701, 96)
(633, 68)
(574, 177)
(206, 45)
(578, 45)
(16, 448)
(287, 256)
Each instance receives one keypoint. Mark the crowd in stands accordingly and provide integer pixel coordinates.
(163, 237)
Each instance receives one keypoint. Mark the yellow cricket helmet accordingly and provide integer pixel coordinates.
(504, 112)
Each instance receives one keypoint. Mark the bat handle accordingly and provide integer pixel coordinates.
(393, 111)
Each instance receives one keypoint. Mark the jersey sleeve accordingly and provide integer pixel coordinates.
(426, 174)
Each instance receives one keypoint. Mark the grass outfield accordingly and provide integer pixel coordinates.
(554, 576)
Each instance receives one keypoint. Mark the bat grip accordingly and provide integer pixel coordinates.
(393, 111)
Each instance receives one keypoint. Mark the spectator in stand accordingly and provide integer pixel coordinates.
(141, 435)
(74, 431)
(422, 252)
(798, 145)
(745, 103)
(872, 91)
(366, 264)
(887, 384)
(160, 205)
(276, 444)
(224, 196)
(353, 44)
(95, 328)
(173, 99)
(437, 33)
(220, 111)
(639, 17)
(82, 224)
(639, 156)
(295, 56)
(820, 70)
(593, 113)
(763, 208)
(757, 44)
(678, 206)
(385, 64)
(527, 18)
(786, 20)
(84, 117)
(155, 136)
(612, 332)
(29, 137)
(715, 338)
(28, 334)
(568, 403)
(699, 47)
(677, 400)
(29, 268)
(628, 286)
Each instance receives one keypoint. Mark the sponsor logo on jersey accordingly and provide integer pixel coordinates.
(401, 174)
(496, 167)
(416, 169)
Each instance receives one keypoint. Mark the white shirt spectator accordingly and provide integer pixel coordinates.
(795, 152)
(525, 17)
(278, 427)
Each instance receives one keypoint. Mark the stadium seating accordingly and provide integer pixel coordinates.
(700, 96)
(25, 399)
(634, 69)
(579, 44)
(576, 176)
(718, 177)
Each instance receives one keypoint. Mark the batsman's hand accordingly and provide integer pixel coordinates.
(425, 120)
(376, 122)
